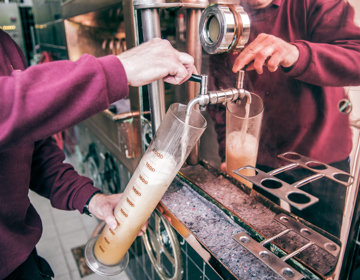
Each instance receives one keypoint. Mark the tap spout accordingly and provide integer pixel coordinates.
(240, 86)
(246, 93)
(201, 99)
(218, 96)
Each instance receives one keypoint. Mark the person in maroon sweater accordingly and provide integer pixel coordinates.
(303, 52)
(44, 99)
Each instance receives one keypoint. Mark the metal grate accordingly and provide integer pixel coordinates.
(291, 192)
(278, 265)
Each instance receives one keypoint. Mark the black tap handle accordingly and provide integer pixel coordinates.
(195, 78)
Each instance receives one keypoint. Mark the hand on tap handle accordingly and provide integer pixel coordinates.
(156, 59)
(267, 50)
(240, 79)
(195, 78)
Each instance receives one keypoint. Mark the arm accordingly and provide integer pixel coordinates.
(48, 98)
(66, 189)
(329, 56)
(56, 180)
(154, 60)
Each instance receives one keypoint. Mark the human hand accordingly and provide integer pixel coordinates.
(154, 60)
(266, 50)
(102, 206)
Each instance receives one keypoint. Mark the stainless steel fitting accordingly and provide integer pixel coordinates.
(217, 96)
(224, 28)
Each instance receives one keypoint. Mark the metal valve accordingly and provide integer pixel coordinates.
(218, 96)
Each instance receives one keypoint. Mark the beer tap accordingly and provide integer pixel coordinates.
(206, 97)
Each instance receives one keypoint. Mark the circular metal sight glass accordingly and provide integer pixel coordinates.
(213, 28)
(100, 268)
(224, 28)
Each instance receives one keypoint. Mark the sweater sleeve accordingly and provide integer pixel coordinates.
(48, 98)
(56, 180)
(330, 56)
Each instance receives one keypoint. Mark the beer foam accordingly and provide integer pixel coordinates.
(238, 144)
(157, 169)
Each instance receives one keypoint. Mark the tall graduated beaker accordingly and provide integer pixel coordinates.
(168, 150)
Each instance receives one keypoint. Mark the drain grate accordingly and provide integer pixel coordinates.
(78, 254)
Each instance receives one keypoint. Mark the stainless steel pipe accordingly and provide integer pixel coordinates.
(151, 29)
(194, 48)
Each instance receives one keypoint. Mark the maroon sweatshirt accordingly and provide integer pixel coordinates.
(301, 105)
(34, 104)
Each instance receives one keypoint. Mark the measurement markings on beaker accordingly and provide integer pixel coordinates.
(142, 179)
(130, 197)
(132, 204)
(136, 191)
(160, 156)
(102, 249)
(121, 218)
(124, 213)
(137, 186)
(152, 162)
(148, 165)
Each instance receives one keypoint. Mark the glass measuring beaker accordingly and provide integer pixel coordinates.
(243, 123)
(172, 143)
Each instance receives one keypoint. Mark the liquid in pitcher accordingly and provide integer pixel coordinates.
(154, 174)
(241, 150)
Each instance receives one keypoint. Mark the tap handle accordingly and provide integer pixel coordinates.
(195, 78)
(240, 79)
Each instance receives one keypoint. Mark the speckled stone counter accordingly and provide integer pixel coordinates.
(215, 230)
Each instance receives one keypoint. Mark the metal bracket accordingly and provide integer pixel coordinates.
(291, 192)
(309, 234)
(295, 197)
(267, 257)
(278, 265)
(320, 168)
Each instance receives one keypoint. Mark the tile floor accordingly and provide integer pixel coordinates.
(62, 231)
